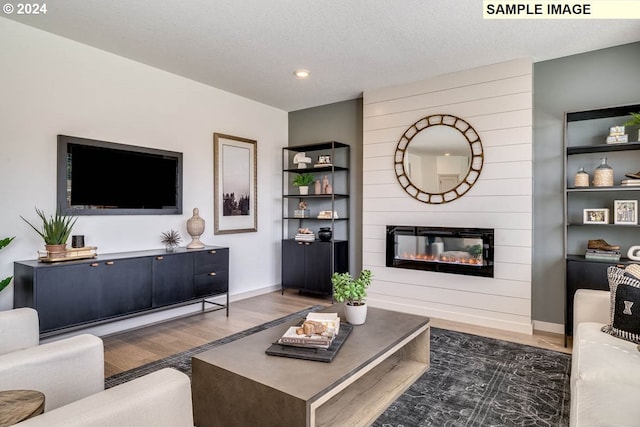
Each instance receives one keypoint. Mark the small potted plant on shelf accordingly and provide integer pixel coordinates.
(303, 181)
(352, 292)
(634, 121)
(55, 230)
(171, 239)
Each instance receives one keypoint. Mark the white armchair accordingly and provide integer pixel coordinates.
(65, 370)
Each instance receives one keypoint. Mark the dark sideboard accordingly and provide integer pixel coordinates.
(75, 294)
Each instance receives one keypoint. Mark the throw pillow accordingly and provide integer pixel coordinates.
(625, 303)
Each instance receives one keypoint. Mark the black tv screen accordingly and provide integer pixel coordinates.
(106, 178)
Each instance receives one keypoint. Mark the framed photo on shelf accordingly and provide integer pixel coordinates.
(235, 185)
(625, 212)
(595, 216)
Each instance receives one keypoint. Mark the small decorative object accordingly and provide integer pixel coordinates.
(581, 179)
(171, 239)
(3, 243)
(325, 234)
(595, 216)
(318, 188)
(302, 211)
(302, 181)
(195, 228)
(77, 241)
(328, 215)
(323, 161)
(617, 135)
(301, 160)
(305, 235)
(55, 230)
(325, 184)
(625, 212)
(352, 292)
(603, 175)
(634, 253)
(634, 121)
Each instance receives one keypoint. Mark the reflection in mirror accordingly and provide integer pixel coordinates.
(438, 158)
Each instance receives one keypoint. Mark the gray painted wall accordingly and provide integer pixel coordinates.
(341, 122)
(597, 79)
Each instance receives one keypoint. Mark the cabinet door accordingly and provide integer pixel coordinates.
(66, 295)
(125, 286)
(293, 264)
(318, 267)
(172, 278)
(211, 272)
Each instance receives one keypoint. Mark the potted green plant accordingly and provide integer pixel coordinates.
(55, 230)
(4, 282)
(634, 121)
(303, 181)
(352, 292)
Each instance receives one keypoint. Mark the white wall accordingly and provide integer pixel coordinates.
(497, 101)
(50, 85)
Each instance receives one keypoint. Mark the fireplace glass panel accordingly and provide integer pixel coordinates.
(450, 250)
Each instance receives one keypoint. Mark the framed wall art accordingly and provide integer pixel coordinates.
(595, 216)
(625, 212)
(235, 184)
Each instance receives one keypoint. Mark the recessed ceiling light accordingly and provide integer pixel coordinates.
(301, 74)
(447, 154)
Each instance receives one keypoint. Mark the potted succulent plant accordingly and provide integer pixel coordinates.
(303, 181)
(4, 282)
(171, 239)
(352, 292)
(55, 230)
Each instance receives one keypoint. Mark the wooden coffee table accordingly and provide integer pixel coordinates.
(237, 384)
(18, 405)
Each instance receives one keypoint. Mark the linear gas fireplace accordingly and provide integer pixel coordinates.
(445, 249)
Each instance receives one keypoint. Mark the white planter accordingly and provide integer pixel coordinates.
(355, 314)
(304, 190)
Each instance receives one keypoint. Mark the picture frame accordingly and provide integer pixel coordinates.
(235, 184)
(595, 216)
(625, 212)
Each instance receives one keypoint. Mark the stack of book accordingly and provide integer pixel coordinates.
(602, 255)
(295, 336)
(305, 236)
(630, 182)
(617, 135)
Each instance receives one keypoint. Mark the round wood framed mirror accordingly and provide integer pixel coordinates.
(438, 158)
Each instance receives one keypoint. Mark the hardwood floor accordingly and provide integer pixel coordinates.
(130, 349)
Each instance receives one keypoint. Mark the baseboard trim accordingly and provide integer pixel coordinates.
(555, 328)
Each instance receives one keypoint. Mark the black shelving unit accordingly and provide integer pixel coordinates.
(584, 142)
(308, 265)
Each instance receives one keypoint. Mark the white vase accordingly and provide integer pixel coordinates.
(355, 314)
(304, 190)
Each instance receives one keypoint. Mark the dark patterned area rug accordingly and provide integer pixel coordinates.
(472, 381)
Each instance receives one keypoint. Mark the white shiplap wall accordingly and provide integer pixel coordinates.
(497, 101)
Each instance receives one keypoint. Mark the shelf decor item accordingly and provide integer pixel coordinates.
(301, 160)
(581, 179)
(55, 229)
(171, 239)
(325, 234)
(634, 121)
(603, 175)
(195, 228)
(303, 181)
(625, 212)
(595, 216)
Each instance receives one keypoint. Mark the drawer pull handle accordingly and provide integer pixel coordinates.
(212, 274)
(160, 258)
(300, 243)
(94, 264)
(307, 243)
(212, 252)
(109, 262)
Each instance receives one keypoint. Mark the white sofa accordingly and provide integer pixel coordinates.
(70, 373)
(64, 370)
(159, 399)
(605, 370)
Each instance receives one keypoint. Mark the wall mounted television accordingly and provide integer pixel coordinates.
(107, 178)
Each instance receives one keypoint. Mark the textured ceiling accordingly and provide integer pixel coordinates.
(251, 47)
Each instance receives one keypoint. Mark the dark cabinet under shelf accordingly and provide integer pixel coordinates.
(78, 293)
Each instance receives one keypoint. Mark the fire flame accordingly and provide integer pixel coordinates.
(442, 258)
